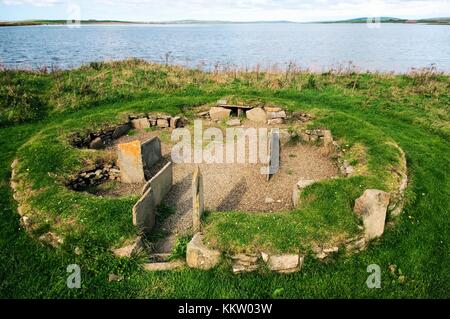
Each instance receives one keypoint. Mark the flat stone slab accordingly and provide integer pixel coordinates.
(164, 266)
(231, 106)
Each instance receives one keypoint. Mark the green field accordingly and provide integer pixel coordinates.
(39, 109)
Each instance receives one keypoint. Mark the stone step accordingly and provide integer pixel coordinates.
(163, 266)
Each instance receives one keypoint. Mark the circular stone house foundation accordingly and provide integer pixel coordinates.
(222, 207)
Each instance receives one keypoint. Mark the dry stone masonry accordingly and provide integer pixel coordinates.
(94, 176)
(105, 137)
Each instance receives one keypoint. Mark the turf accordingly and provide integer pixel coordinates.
(411, 110)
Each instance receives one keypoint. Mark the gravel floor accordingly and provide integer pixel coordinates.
(237, 187)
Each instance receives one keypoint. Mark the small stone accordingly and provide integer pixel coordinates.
(234, 122)
(162, 123)
(152, 121)
(392, 268)
(347, 169)
(52, 239)
(140, 124)
(272, 109)
(275, 121)
(25, 221)
(244, 258)
(265, 257)
(114, 277)
(96, 144)
(241, 268)
(164, 266)
(175, 122)
(276, 115)
(203, 114)
(269, 200)
(331, 250)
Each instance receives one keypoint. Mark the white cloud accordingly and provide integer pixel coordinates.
(37, 3)
(245, 10)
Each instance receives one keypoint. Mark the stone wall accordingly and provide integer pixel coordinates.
(144, 211)
(99, 139)
(92, 177)
(105, 137)
(161, 183)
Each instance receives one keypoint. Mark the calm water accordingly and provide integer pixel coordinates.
(317, 46)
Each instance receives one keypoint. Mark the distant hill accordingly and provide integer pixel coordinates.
(444, 21)
(62, 22)
(439, 21)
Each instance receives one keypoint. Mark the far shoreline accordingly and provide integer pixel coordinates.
(432, 21)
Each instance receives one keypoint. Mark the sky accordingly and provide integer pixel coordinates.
(230, 10)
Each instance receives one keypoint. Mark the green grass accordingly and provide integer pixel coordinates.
(411, 110)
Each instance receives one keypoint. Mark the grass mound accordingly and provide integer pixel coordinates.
(362, 109)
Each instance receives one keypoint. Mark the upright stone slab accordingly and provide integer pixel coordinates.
(130, 162)
(140, 124)
(219, 113)
(151, 152)
(298, 188)
(372, 207)
(197, 199)
(144, 212)
(274, 153)
(161, 183)
(257, 115)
